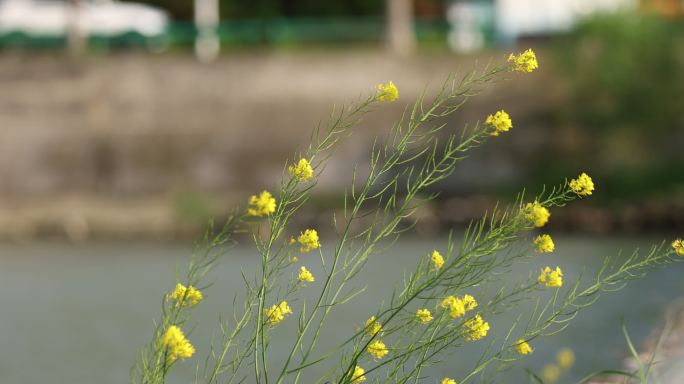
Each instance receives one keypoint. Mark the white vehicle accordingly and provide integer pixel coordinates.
(101, 18)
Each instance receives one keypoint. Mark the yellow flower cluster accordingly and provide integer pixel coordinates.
(305, 275)
(302, 171)
(437, 259)
(359, 375)
(424, 315)
(387, 92)
(377, 349)
(185, 296)
(373, 327)
(551, 373)
(176, 345)
(500, 121)
(308, 240)
(277, 313)
(565, 358)
(544, 243)
(525, 62)
(678, 246)
(459, 306)
(448, 380)
(477, 328)
(261, 205)
(536, 214)
(523, 347)
(582, 185)
(551, 278)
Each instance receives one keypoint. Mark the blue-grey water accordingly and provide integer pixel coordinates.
(78, 314)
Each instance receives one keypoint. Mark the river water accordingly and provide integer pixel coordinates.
(78, 314)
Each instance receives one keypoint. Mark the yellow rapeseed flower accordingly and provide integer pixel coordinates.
(477, 328)
(176, 345)
(536, 214)
(359, 375)
(308, 240)
(185, 296)
(500, 121)
(284, 308)
(565, 358)
(305, 276)
(448, 380)
(448, 302)
(551, 278)
(436, 259)
(373, 327)
(424, 315)
(387, 92)
(678, 246)
(458, 306)
(525, 62)
(277, 313)
(457, 309)
(544, 243)
(377, 349)
(302, 171)
(551, 373)
(261, 205)
(523, 347)
(469, 302)
(582, 185)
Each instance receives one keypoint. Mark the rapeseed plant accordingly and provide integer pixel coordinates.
(429, 316)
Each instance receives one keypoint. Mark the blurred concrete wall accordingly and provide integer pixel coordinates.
(80, 140)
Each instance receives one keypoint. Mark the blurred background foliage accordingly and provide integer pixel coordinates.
(625, 97)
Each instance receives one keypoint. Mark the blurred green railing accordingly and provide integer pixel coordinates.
(252, 32)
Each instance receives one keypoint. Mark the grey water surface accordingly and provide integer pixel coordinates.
(79, 313)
